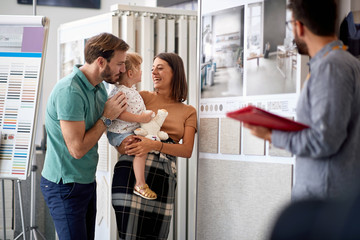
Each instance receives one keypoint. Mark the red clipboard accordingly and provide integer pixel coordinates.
(260, 117)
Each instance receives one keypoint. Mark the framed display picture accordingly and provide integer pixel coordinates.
(65, 3)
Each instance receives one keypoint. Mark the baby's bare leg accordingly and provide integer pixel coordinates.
(139, 169)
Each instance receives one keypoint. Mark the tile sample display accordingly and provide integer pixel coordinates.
(252, 145)
(209, 135)
(230, 136)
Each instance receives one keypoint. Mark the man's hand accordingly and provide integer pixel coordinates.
(260, 132)
(115, 105)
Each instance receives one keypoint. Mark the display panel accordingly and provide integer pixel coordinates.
(65, 3)
(22, 47)
(222, 53)
(246, 49)
(247, 57)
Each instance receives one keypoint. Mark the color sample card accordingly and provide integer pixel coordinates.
(19, 78)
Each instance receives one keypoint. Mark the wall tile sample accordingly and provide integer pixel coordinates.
(230, 135)
(240, 200)
(252, 145)
(209, 135)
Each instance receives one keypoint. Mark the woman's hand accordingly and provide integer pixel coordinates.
(139, 145)
(127, 141)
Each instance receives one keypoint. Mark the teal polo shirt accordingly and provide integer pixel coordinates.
(73, 99)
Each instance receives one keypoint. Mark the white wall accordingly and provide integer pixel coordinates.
(57, 16)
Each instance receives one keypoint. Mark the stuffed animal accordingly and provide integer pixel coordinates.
(151, 129)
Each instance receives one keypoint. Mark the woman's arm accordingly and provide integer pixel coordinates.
(146, 145)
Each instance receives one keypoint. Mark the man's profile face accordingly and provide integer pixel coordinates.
(114, 68)
(300, 44)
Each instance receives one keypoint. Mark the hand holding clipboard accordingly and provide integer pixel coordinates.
(257, 116)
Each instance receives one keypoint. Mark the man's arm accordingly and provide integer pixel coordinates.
(328, 102)
(79, 141)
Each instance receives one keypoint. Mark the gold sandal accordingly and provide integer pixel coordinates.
(145, 192)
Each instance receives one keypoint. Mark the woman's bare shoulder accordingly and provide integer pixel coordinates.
(145, 94)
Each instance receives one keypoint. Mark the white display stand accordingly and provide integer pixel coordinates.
(148, 31)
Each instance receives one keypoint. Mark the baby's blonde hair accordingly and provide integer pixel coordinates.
(132, 62)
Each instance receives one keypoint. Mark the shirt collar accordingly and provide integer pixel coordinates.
(83, 78)
(326, 49)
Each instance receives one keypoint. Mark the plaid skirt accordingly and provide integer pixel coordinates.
(136, 217)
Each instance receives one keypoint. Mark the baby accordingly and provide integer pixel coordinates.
(128, 121)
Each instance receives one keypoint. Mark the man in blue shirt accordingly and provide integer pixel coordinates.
(77, 115)
(328, 153)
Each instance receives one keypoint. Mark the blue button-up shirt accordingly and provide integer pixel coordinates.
(328, 153)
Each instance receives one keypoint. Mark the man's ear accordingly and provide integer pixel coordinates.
(299, 28)
(101, 62)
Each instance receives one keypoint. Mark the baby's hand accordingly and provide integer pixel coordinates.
(146, 116)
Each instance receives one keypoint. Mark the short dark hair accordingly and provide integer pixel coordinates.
(319, 16)
(179, 88)
(103, 45)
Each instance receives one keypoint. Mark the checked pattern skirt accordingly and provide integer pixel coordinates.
(136, 217)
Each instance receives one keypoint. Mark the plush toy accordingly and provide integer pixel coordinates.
(151, 129)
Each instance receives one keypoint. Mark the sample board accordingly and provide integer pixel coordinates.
(22, 50)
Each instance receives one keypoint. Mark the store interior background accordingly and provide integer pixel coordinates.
(217, 222)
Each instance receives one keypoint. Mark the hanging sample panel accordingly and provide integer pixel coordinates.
(127, 29)
(170, 37)
(182, 24)
(160, 37)
(193, 72)
(147, 49)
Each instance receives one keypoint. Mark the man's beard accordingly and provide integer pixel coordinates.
(106, 75)
(301, 45)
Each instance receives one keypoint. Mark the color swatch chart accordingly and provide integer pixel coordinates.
(19, 80)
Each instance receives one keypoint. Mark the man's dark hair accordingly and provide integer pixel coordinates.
(319, 16)
(103, 45)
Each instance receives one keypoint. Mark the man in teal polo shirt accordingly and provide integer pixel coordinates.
(77, 115)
